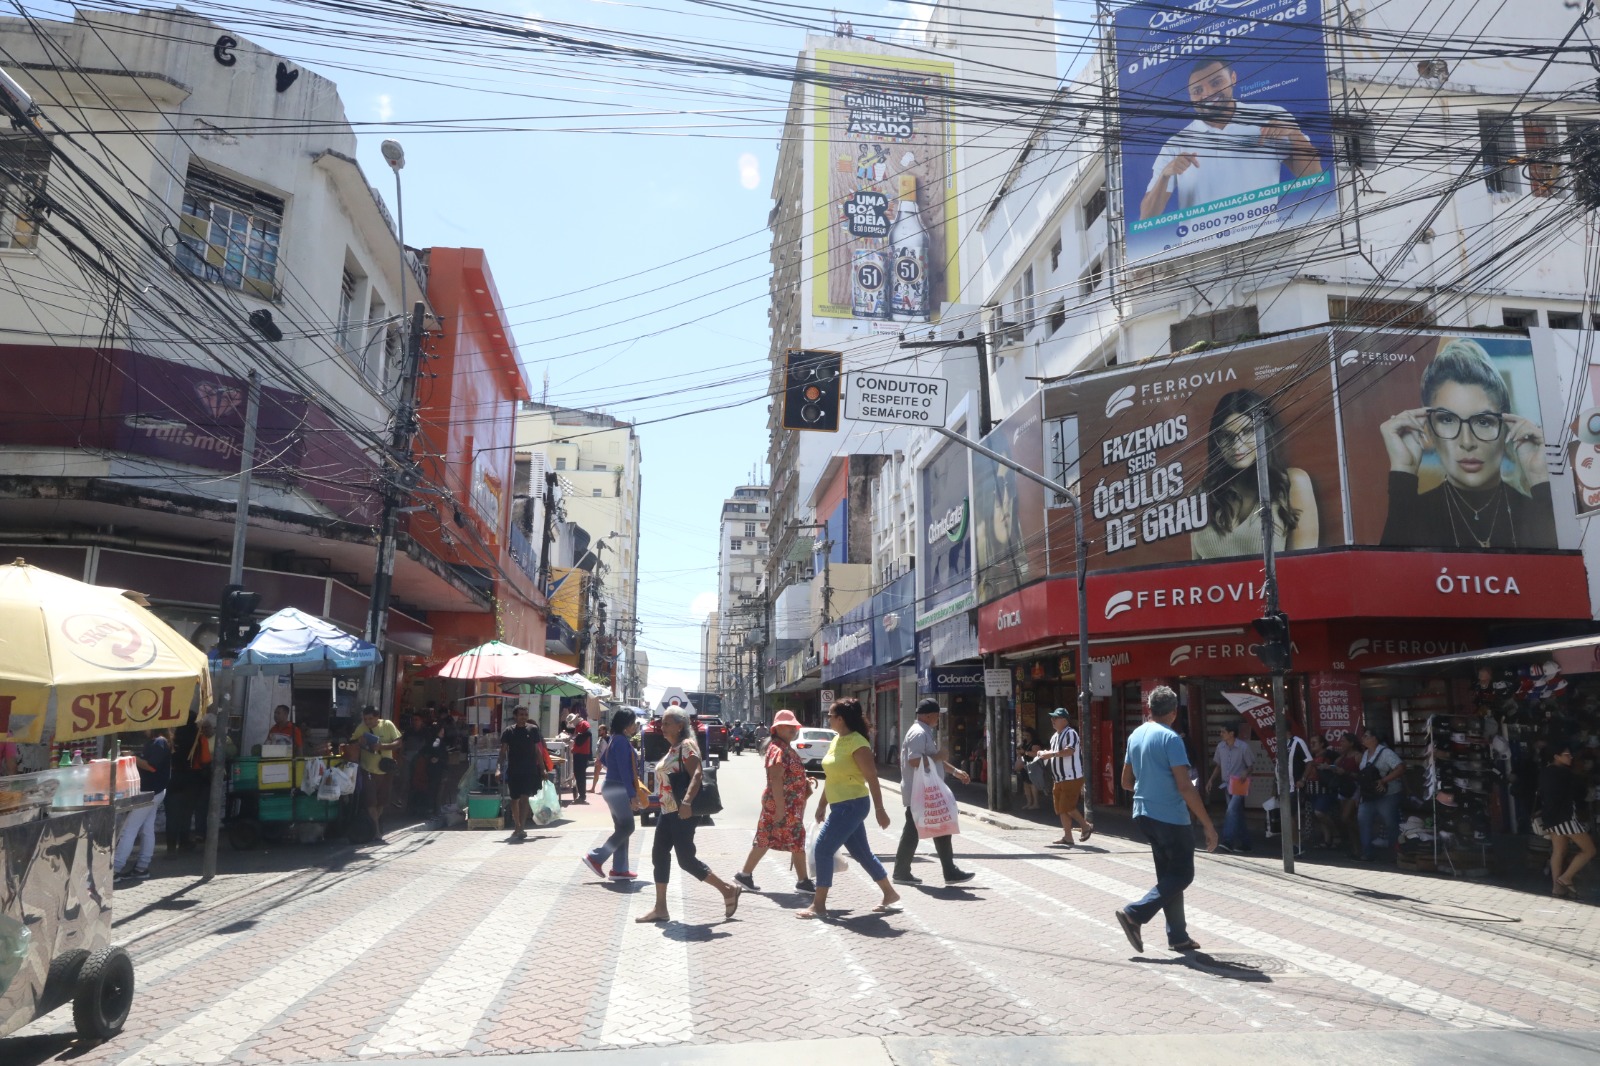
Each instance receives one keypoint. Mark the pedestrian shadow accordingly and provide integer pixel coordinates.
(1250, 969)
(869, 924)
(684, 933)
(962, 892)
(623, 888)
(36, 1050)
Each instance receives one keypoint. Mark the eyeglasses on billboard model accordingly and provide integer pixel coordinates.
(1446, 424)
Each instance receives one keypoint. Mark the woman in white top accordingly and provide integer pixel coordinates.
(1234, 505)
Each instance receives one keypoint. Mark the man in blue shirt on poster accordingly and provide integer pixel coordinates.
(1156, 771)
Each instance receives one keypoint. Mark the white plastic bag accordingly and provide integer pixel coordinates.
(839, 863)
(311, 779)
(933, 806)
(344, 777)
(546, 806)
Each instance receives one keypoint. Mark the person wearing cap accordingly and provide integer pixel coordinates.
(782, 825)
(1065, 759)
(1165, 802)
(920, 753)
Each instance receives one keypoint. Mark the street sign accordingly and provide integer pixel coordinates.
(997, 683)
(826, 699)
(897, 399)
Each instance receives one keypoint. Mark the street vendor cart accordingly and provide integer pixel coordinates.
(78, 662)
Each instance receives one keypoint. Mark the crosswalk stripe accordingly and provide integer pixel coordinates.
(1406, 994)
(649, 1001)
(444, 1012)
(214, 1033)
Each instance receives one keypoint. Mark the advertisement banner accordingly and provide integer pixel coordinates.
(893, 624)
(884, 188)
(1225, 123)
(1261, 716)
(1583, 453)
(1168, 454)
(944, 560)
(1335, 704)
(1443, 443)
(1008, 534)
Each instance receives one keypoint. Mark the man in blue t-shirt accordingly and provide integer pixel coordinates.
(1156, 771)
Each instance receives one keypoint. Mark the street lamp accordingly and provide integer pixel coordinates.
(395, 156)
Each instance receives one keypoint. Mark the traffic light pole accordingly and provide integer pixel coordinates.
(219, 729)
(1286, 811)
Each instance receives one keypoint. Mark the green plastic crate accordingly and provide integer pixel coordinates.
(310, 809)
(483, 806)
(275, 808)
(244, 775)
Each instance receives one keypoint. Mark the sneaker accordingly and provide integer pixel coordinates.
(906, 879)
(746, 880)
(594, 864)
(1131, 931)
(519, 834)
(125, 876)
(960, 877)
(805, 885)
(623, 875)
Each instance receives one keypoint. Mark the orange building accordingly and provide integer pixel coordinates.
(471, 383)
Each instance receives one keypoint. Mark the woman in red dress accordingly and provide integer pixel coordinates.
(783, 806)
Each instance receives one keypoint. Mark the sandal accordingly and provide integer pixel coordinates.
(731, 906)
(819, 913)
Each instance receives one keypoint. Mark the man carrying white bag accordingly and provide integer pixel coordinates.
(930, 805)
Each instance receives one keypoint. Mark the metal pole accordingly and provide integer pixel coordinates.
(1085, 739)
(219, 731)
(1280, 711)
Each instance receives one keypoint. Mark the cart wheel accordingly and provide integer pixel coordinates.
(62, 979)
(244, 834)
(105, 994)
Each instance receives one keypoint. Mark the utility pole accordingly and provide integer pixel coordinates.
(396, 484)
(1286, 813)
(236, 684)
(549, 532)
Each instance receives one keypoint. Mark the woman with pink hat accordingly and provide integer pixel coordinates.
(782, 826)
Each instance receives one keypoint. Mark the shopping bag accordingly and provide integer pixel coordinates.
(312, 775)
(345, 776)
(839, 864)
(934, 806)
(328, 788)
(546, 806)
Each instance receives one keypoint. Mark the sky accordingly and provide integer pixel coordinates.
(623, 210)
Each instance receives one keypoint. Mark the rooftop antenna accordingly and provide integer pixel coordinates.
(544, 396)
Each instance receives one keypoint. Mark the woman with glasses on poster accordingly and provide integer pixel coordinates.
(1234, 528)
(1466, 420)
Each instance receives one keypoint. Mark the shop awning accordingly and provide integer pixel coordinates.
(1576, 655)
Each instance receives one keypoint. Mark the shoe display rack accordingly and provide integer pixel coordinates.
(1459, 776)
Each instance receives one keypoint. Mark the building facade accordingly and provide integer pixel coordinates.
(742, 550)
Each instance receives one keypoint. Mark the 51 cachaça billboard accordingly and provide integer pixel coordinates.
(884, 189)
(1225, 123)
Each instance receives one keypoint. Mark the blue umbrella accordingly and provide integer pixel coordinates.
(293, 638)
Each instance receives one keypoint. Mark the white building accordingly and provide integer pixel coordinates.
(742, 550)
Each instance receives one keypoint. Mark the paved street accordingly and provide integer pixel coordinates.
(458, 943)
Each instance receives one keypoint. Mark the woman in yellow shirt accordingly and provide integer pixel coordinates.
(850, 783)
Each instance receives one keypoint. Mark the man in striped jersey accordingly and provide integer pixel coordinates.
(1066, 772)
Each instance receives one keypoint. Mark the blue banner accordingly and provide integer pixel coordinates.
(1226, 130)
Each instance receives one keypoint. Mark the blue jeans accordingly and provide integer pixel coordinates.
(619, 798)
(846, 827)
(1172, 847)
(1375, 815)
(1235, 830)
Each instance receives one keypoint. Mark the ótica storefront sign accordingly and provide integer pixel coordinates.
(1324, 586)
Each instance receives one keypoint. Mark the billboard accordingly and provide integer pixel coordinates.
(944, 558)
(1225, 131)
(884, 188)
(1008, 511)
(1169, 456)
(1449, 426)
(1583, 453)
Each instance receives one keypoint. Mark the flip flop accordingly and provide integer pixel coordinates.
(808, 915)
(1085, 834)
(730, 909)
(891, 908)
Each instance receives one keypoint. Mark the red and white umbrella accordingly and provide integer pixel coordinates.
(499, 661)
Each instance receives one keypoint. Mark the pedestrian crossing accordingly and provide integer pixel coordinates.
(985, 958)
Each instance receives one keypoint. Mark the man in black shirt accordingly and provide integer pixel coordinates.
(139, 827)
(521, 766)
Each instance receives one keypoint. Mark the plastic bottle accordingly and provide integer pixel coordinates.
(66, 760)
(77, 756)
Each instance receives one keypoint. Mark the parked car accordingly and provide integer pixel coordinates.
(710, 727)
(811, 745)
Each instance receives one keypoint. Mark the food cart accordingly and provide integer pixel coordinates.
(78, 662)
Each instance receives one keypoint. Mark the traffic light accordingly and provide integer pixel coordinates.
(811, 391)
(1273, 650)
(236, 620)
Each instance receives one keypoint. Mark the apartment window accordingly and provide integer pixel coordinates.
(391, 347)
(374, 353)
(1058, 316)
(1564, 319)
(749, 529)
(1354, 138)
(228, 234)
(1223, 327)
(1094, 207)
(736, 544)
(597, 492)
(599, 466)
(1381, 313)
(1028, 308)
(347, 310)
(1517, 318)
(1540, 139)
(1055, 255)
(761, 545)
(1090, 279)
(561, 464)
(29, 160)
(1498, 136)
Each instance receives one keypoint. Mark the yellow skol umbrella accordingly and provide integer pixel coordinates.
(91, 658)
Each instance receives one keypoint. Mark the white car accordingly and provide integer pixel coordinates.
(812, 744)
